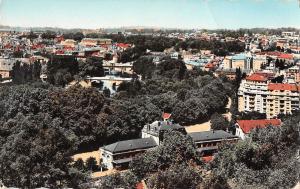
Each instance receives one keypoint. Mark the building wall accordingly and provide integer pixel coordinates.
(257, 63)
(252, 96)
(281, 102)
(238, 64)
(227, 63)
(241, 103)
(239, 132)
(146, 135)
(107, 159)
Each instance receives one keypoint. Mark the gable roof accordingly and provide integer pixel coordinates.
(211, 135)
(166, 115)
(248, 125)
(129, 145)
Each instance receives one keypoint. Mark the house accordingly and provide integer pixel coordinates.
(207, 142)
(88, 42)
(209, 67)
(157, 129)
(120, 154)
(166, 116)
(229, 73)
(6, 66)
(244, 127)
(242, 61)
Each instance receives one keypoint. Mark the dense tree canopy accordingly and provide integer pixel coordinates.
(266, 160)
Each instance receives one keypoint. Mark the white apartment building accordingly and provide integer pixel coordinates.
(256, 93)
(253, 93)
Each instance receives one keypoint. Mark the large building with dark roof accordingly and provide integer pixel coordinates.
(120, 154)
(207, 142)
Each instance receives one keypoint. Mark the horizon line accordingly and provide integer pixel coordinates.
(148, 27)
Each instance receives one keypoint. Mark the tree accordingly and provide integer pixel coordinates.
(127, 180)
(218, 122)
(175, 149)
(251, 115)
(266, 160)
(177, 176)
(91, 164)
(92, 67)
(106, 92)
(79, 164)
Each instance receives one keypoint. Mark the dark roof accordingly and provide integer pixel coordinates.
(169, 125)
(129, 145)
(211, 135)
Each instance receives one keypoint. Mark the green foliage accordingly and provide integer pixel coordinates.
(91, 164)
(42, 126)
(35, 152)
(176, 177)
(218, 122)
(144, 66)
(217, 47)
(78, 36)
(191, 96)
(267, 160)
(250, 115)
(126, 180)
(106, 92)
(22, 72)
(61, 70)
(92, 67)
(79, 164)
(175, 149)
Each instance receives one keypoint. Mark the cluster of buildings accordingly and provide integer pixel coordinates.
(27, 45)
(119, 154)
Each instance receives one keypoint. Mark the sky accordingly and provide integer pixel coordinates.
(185, 14)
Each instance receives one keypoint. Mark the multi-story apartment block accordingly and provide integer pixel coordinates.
(256, 93)
(283, 98)
(253, 93)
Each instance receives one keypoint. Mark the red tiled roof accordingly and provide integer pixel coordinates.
(166, 115)
(207, 159)
(283, 86)
(248, 125)
(69, 48)
(256, 77)
(123, 45)
(140, 185)
(209, 65)
(274, 53)
(286, 56)
(60, 52)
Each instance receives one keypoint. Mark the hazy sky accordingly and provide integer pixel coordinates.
(155, 13)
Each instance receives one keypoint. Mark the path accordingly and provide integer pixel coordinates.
(84, 156)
